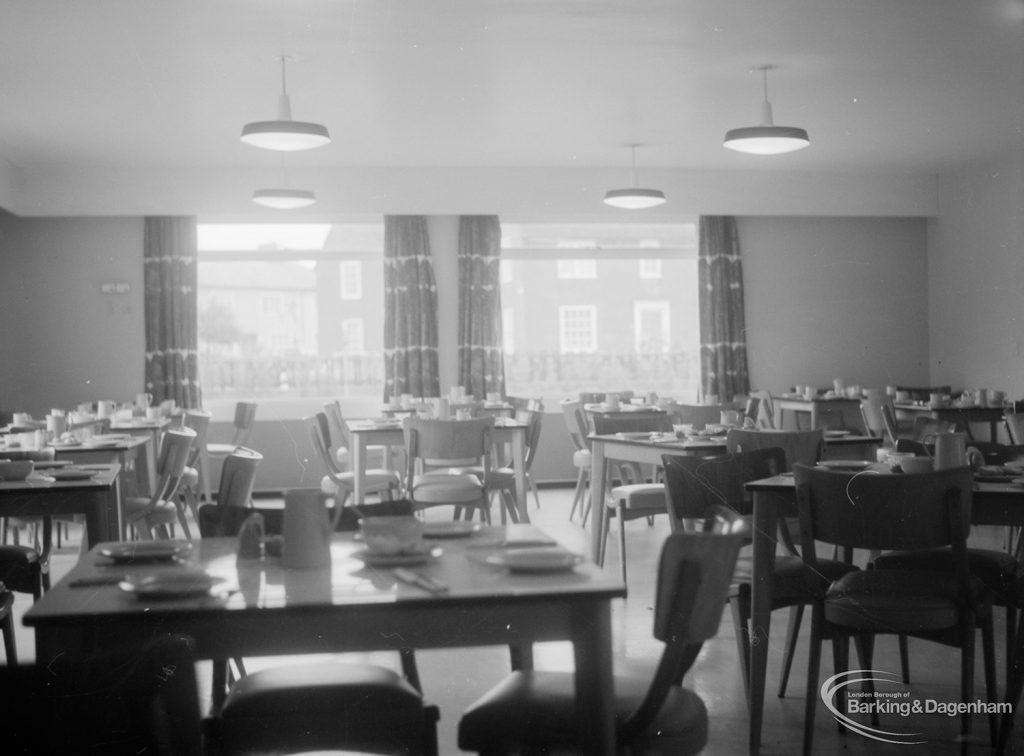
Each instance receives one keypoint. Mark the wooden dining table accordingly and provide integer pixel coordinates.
(993, 503)
(815, 410)
(138, 476)
(349, 606)
(389, 433)
(96, 498)
(961, 417)
(647, 449)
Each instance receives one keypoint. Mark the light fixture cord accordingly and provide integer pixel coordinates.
(636, 180)
(284, 83)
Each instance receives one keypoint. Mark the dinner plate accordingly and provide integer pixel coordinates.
(145, 551)
(51, 464)
(413, 559)
(173, 585)
(844, 464)
(100, 444)
(58, 445)
(105, 438)
(69, 473)
(638, 435)
(450, 529)
(538, 560)
(837, 433)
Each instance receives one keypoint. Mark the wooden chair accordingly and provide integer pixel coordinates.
(766, 417)
(893, 512)
(159, 512)
(631, 501)
(871, 411)
(243, 422)
(438, 451)
(342, 484)
(341, 440)
(581, 456)
(532, 710)
(7, 626)
(191, 478)
(697, 486)
(502, 480)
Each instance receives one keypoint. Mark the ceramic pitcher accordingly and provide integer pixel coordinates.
(306, 531)
(950, 450)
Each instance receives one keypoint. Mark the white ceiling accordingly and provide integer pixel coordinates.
(916, 86)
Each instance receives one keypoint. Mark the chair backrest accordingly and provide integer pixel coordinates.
(337, 425)
(765, 410)
(801, 447)
(1014, 427)
(699, 415)
(199, 421)
(238, 477)
(633, 423)
(449, 443)
(868, 510)
(570, 408)
(245, 417)
(695, 486)
(892, 427)
(533, 420)
(319, 430)
(694, 574)
(174, 454)
(138, 699)
(871, 411)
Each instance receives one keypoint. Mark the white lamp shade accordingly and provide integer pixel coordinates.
(635, 198)
(766, 140)
(284, 199)
(285, 136)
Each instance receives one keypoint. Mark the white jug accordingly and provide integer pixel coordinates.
(950, 450)
(306, 531)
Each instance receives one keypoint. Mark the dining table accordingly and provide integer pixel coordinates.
(153, 429)
(237, 608)
(388, 432)
(998, 501)
(816, 409)
(647, 448)
(138, 476)
(961, 416)
(94, 494)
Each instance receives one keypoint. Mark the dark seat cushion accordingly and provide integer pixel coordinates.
(891, 601)
(327, 706)
(996, 569)
(790, 581)
(20, 569)
(534, 709)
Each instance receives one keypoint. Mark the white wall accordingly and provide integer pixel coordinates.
(976, 279)
(835, 298)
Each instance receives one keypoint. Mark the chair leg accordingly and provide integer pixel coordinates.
(533, 487)
(621, 514)
(796, 614)
(409, 669)
(966, 677)
(904, 659)
(740, 606)
(10, 646)
(1014, 686)
(577, 494)
(813, 666)
(988, 646)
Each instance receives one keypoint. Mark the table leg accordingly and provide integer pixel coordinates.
(103, 516)
(519, 465)
(146, 466)
(765, 525)
(598, 475)
(595, 691)
(358, 467)
(204, 469)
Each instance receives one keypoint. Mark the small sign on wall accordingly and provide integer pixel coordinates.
(115, 287)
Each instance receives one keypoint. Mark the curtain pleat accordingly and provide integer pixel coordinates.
(410, 310)
(172, 337)
(723, 344)
(481, 359)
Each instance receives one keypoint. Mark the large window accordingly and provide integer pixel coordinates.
(588, 306)
(291, 312)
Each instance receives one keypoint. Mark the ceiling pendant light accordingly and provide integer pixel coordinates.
(284, 134)
(766, 139)
(634, 198)
(283, 197)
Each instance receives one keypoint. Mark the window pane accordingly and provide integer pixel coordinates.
(289, 312)
(629, 319)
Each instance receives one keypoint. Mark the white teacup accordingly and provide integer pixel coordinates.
(611, 401)
(392, 535)
(152, 413)
(21, 419)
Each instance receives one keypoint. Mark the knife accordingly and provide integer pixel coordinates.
(420, 581)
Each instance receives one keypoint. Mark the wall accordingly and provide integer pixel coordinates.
(63, 341)
(976, 279)
(835, 298)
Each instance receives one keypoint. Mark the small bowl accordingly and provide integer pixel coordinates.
(912, 465)
(17, 469)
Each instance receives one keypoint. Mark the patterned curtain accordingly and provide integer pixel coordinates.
(723, 345)
(481, 360)
(410, 309)
(172, 337)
